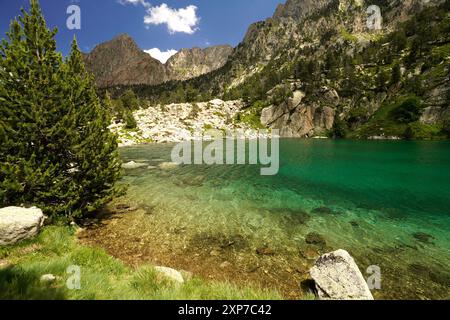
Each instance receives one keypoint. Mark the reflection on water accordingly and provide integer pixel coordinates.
(387, 203)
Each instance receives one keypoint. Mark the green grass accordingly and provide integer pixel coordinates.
(102, 276)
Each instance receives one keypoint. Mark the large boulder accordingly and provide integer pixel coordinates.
(170, 274)
(17, 224)
(337, 277)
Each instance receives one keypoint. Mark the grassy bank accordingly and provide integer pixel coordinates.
(102, 276)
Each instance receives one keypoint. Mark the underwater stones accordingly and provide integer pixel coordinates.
(429, 273)
(196, 181)
(354, 224)
(17, 224)
(315, 239)
(168, 165)
(148, 210)
(309, 253)
(219, 240)
(133, 165)
(423, 237)
(419, 269)
(293, 216)
(324, 210)
(395, 214)
(337, 277)
(265, 251)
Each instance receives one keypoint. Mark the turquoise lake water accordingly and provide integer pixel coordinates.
(386, 202)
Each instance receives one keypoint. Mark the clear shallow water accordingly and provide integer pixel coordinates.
(387, 203)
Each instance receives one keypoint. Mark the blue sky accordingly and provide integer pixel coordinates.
(169, 24)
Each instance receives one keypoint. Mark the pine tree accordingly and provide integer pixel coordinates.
(95, 160)
(55, 150)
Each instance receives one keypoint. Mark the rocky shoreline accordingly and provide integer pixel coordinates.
(179, 122)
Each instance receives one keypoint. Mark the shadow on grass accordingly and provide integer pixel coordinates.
(18, 284)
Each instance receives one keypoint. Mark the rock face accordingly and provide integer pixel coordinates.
(18, 224)
(121, 62)
(297, 9)
(337, 277)
(297, 120)
(191, 63)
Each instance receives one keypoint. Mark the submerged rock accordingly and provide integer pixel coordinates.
(323, 210)
(265, 251)
(431, 273)
(292, 217)
(354, 224)
(309, 253)
(17, 224)
(133, 165)
(316, 239)
(337, 277)
(423, 237)
(168, 165)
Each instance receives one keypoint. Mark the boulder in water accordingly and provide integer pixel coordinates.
(337, 277)
(315, 239)
(133, 165)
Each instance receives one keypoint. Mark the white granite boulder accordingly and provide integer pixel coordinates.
(170, 274)
(17, 224)
(337, 277)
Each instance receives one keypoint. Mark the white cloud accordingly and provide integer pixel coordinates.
(135, 2)
(162, 56)
(177, 20)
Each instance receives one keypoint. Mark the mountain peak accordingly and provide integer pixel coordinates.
(120, 61)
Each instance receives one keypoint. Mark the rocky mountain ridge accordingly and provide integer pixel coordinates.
(354, 80)
(121, 62)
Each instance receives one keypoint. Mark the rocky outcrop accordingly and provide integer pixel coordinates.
(191, 63)
(17, 224)
(182, 122)
(296, 119)
(121, 62)
(297, 9)
(337, 277)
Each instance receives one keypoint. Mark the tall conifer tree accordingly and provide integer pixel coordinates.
(50, 116)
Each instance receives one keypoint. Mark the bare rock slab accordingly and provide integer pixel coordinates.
(17, 224)
(337, 277)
